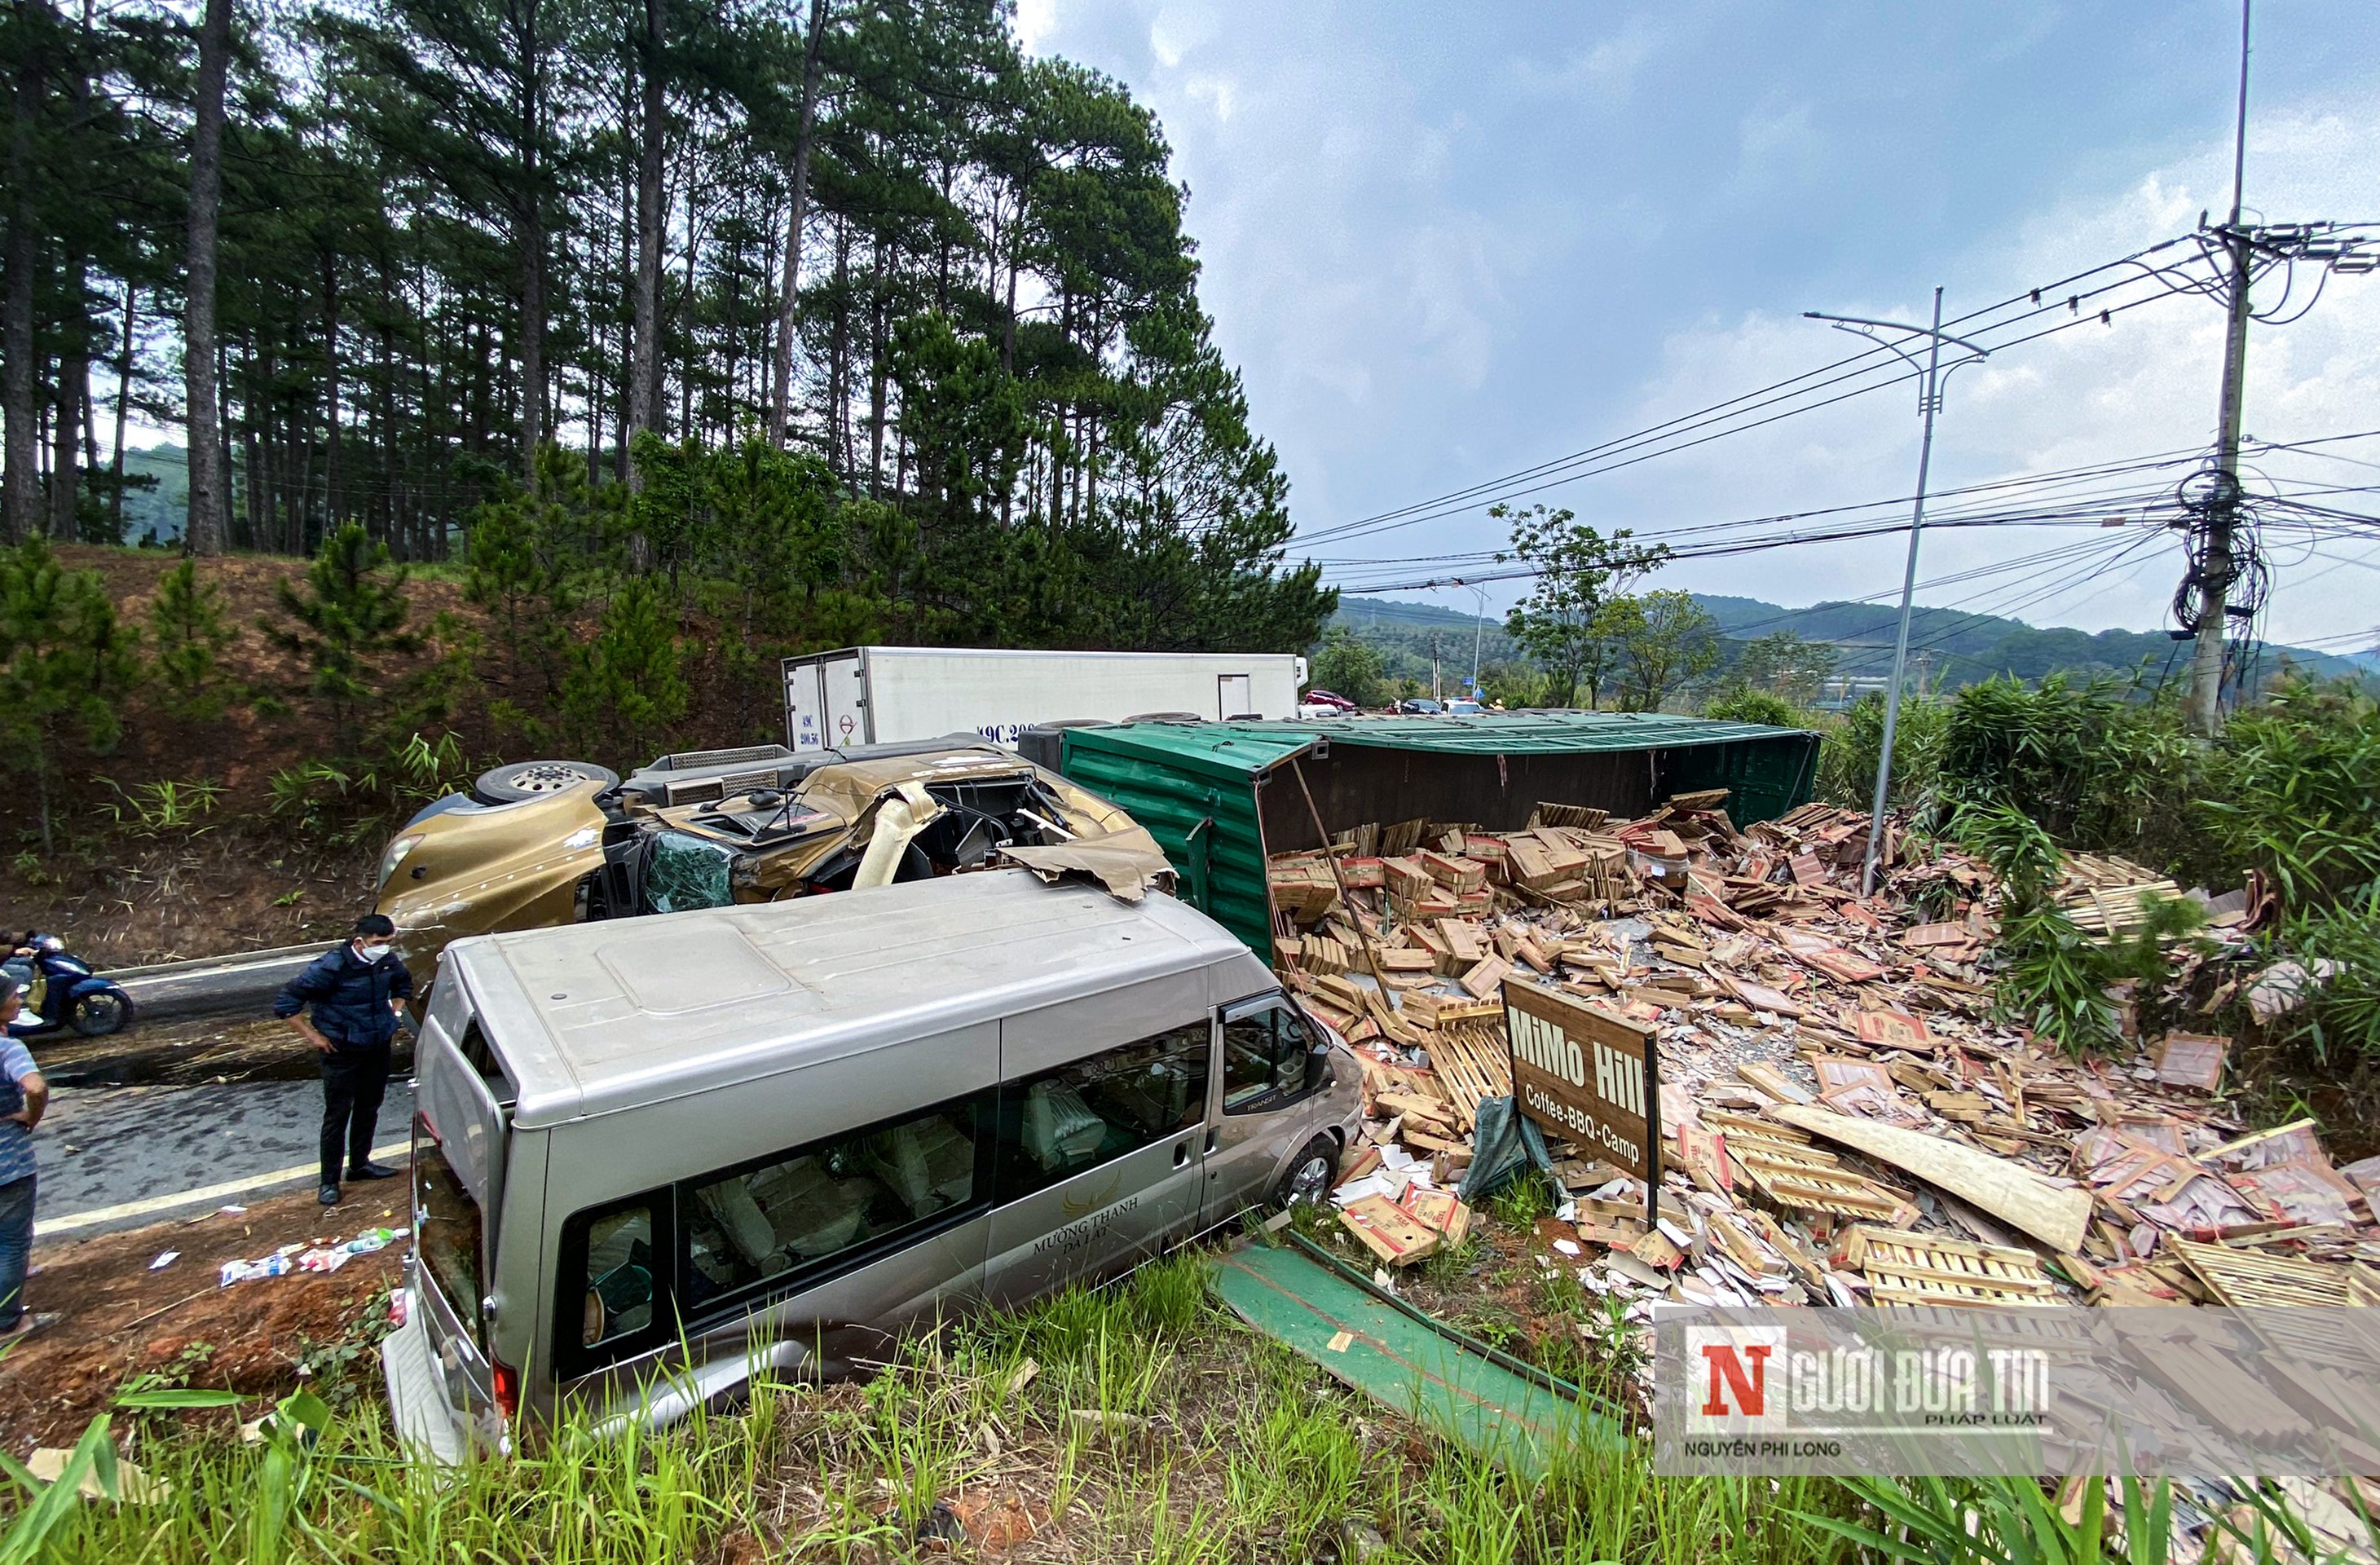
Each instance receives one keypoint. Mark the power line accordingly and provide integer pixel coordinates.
(1583, 464)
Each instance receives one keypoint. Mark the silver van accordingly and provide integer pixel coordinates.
(652, 1155)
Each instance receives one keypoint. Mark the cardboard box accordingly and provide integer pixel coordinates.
(1388, 1230)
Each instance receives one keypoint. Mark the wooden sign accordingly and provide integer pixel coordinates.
(1588, 1076)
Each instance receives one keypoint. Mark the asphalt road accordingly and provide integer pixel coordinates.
(104, 1147)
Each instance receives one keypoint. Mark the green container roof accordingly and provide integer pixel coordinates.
(1219, 751)
(1240, 748)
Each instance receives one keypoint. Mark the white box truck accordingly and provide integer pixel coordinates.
(885, 695)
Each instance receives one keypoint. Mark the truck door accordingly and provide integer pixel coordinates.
(805, 706)
(848, 721)
(1236, 694)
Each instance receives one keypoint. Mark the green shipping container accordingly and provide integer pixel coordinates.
(1221, 798)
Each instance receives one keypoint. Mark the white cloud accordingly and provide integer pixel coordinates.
(1177, 31)
(1439, 254)
(1604, 73)
(1036, 20)
(1777, 145)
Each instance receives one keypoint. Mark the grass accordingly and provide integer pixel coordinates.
(1136, 1423)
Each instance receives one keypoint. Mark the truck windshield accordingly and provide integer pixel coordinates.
(685, 873)
(446, 1229)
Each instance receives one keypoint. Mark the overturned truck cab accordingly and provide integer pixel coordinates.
(761, 825)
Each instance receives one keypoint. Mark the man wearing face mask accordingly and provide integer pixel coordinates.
(357, 993)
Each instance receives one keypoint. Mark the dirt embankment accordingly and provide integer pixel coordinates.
(119, 1320)
(125, 889)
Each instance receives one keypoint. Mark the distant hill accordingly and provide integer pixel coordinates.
(1948, 646)
(160, 509)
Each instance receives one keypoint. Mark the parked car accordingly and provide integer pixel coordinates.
(1463, 706)
(1418, 706)
(651, 1164)
(1320, 698)
(761, 824)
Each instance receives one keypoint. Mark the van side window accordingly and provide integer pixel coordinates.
(619, 1277)
(799, 1212)
(1266, 1049)
(473, 1047)
(1058, 1123)
(615, 1264)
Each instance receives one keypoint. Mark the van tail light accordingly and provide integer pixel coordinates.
(508, 1381)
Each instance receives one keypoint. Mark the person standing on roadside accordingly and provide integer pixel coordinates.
(23, 1096)
(357, 992)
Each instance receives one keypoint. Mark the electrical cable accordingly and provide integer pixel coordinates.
(1569, 469)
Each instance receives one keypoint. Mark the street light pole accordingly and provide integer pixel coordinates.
(1930, 396)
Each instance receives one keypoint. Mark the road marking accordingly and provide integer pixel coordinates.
(50, 1227)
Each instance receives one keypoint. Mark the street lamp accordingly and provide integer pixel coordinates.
(1929, 399)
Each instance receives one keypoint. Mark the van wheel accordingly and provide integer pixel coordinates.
(1311, 1174)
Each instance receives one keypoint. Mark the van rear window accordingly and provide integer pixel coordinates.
(446, 1229)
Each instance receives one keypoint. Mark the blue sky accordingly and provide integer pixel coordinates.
(1446, 243)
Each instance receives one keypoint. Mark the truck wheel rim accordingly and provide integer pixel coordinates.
(551, 779)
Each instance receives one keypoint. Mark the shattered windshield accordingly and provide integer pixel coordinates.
(684, 873)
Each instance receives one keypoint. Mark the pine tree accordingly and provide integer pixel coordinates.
(626, 689)
(65, 663)
(349, 617)
(187, 621)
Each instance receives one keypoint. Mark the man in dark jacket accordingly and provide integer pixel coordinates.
(357, 993)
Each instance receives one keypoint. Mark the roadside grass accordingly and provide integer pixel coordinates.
(1135, 1423)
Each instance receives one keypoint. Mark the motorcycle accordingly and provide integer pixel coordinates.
(62, 992)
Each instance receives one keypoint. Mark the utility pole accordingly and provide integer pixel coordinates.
(1930, 404)
(2224, 580)
(2217, 566)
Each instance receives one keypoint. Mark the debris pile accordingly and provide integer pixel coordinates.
(1841, 1120)
(321, 1255)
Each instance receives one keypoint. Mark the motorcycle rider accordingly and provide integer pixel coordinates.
(356, 992)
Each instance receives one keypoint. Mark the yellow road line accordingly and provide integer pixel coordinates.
(50, 1227)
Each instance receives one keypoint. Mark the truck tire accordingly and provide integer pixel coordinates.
(536, 779)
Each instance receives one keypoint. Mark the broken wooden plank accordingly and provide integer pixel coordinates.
(2015, 1195)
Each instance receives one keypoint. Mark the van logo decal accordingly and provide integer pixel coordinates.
(1081, 1203)
(1075, 1235)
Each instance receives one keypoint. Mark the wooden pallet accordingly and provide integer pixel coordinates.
(1793, 1181)
(2103, 912)
(1472, 1064)
(2243, 1281)
(1915, 1269)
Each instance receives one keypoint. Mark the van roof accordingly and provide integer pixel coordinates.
(590, 1018)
